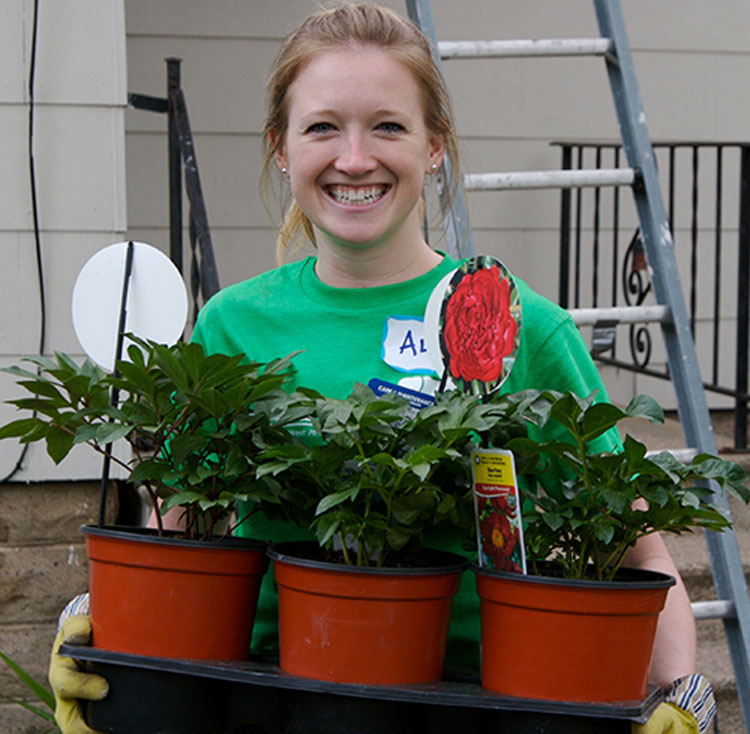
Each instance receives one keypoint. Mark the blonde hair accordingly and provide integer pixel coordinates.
(351, 24)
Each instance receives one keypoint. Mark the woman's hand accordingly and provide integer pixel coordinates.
(69, 683)
(689, 708)
(668, 719)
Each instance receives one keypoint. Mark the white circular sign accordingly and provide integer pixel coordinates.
(156, 307)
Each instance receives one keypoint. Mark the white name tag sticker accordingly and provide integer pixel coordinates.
(404, 346)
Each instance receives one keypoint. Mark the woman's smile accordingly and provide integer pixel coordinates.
(357, 196)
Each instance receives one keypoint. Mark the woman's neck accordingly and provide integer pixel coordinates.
(347, 267)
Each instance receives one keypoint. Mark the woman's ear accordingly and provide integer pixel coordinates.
(437, 151)
(278, 150)
(280, 161)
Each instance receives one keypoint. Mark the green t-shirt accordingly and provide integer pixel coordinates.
(352, 335)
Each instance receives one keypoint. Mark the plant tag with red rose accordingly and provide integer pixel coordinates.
(472, 326)
(498, 511)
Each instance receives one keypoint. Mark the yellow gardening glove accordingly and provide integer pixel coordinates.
(68, 682)
(668, 719)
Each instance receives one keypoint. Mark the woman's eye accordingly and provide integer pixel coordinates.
(391, 127)
(320, 127)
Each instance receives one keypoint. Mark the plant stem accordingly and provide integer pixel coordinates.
(344, 550)
(246, 516)
(155, 504)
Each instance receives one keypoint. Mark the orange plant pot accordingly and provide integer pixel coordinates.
(346, 624)
(564, 640)
(172, 598)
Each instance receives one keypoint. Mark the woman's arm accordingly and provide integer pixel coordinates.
(675, 645)
(172, 520)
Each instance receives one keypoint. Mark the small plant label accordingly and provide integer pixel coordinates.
(498, 511)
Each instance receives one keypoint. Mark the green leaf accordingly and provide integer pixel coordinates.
(18, 428)
(326, 528)
(334, 499)
(567, 411)
(35, 687)
(644, 406)
(41, 713)
(605, 533)
(398, 537)
(101, 433)
(41, 387)
(181, 498)
(553, 520)
(59, 444)
(598, 419)
(690, 499)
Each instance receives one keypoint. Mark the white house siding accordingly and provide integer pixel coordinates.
(691, 59)
(79, 153)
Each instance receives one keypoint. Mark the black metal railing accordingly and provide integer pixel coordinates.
(602, 260)
(204, 279)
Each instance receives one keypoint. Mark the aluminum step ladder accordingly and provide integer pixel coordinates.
(733, 605)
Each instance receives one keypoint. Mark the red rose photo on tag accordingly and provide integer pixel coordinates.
(478, 323)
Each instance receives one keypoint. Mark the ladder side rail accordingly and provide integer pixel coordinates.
(723, 550)
(458, 236)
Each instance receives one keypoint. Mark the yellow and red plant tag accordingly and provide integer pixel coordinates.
(498, 511)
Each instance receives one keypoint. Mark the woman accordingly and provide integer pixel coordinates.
(357, 118)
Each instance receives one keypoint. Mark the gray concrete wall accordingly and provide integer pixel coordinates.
(42, 566)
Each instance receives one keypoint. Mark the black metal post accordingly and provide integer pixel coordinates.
(198, 215)
(578, 226)
(175, 166)
(694, 246)
(743, 307)
(564, 266)
(114, 396)
(595, 263)
(717, 263)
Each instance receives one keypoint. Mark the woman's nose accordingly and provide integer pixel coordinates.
(355, 157)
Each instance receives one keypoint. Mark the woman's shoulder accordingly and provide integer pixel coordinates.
(255, 289)
(540, 311)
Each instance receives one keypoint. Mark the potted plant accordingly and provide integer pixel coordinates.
(367, 604)
(186, 418)
(578, 609)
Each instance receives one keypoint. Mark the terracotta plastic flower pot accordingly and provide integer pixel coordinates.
(563, 640)
(172, 598)
(346, 624)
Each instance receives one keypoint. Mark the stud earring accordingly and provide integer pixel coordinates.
(284, 172)
(434, 168)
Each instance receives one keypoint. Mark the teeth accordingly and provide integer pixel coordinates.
(346, 195)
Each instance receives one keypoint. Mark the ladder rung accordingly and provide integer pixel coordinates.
(520, 48)
(622, 315)
(684, 455)
(714, 609)
(549, 179)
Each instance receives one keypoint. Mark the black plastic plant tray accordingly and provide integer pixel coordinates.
(165, 696)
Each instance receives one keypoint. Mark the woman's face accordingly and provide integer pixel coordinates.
(357, 148)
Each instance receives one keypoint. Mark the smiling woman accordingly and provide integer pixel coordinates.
(357, 118)
(357, 150)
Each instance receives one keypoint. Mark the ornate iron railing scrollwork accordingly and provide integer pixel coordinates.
(636, 287)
